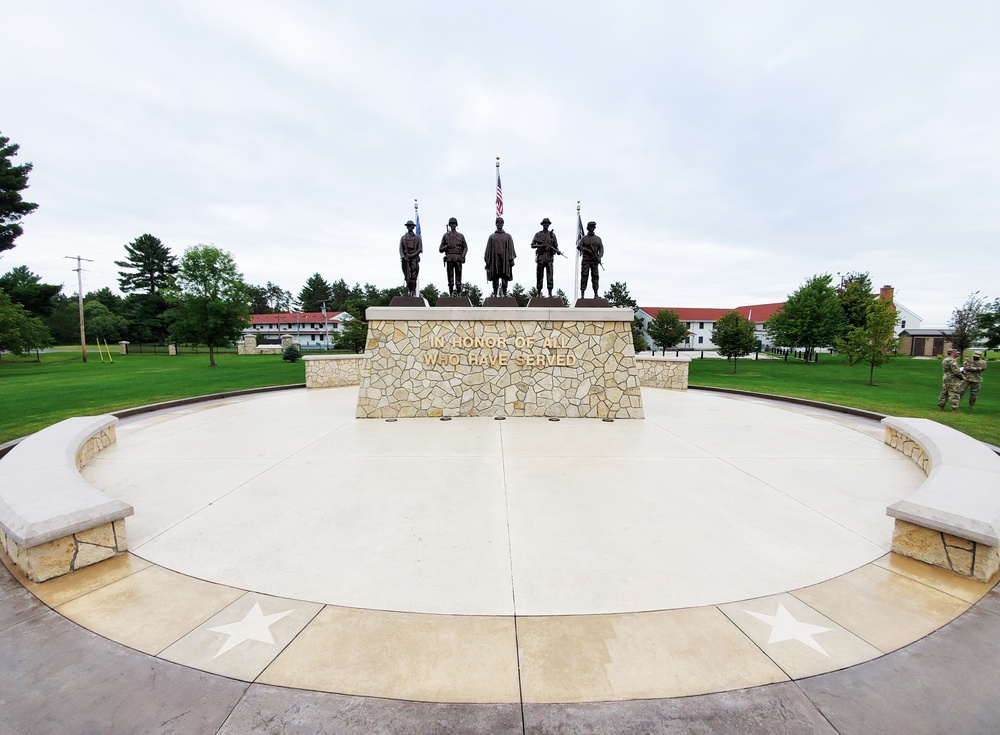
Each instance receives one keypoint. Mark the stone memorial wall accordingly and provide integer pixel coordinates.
(499, 362)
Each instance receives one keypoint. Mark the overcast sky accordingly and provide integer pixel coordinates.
(727, 150)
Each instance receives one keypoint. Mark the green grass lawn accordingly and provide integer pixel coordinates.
(34, 395)
(903, 387)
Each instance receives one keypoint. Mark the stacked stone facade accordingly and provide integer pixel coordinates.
(500, 362)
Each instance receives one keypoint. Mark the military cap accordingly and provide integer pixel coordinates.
(545, 221)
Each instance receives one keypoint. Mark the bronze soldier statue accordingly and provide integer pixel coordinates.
(455, 248)
(500, 259)
(410, 248)
(592, 252)
(546, 248)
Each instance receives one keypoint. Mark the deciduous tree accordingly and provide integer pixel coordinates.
(874, 343)
(733, 336)
(211, 299)
(13, 180)
(811, 317)
(966, 323)
(855, 294)
(989, 323)
(666, 329)
(20, 331)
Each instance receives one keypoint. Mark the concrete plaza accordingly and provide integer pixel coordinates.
(721, 567)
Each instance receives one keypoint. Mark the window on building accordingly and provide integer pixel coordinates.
(701, 340)
(687, 324)
(902, 324)
(701, 325)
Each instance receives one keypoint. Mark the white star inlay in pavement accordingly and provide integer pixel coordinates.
(255, 626)
(784, 627)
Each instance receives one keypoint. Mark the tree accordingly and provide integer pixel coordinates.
(102, 323)
(474, 293)
(855, 295)
(106, 296)
(315, 293)
(966, 323)
(561, 295)
(149, 267)
(618, 295)
(431, 293)
(811, 317)
(211, 299)
(341, 293)
(20, 332)
(13, 180)
(989, 323)
(666, 329)
(874, 343)
(147, 317)
(520, 295)
(26, 288)
(353, 333)
(733, 336)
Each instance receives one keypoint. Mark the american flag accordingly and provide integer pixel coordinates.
(418, 224)
(579, 227)
(499, 193)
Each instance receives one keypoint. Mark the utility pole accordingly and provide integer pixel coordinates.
(326, 328)
(79, 298)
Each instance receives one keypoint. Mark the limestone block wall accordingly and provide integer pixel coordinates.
(577, 363)
(69, 553)
(248, 345)
(334, 371)
(902, 443)
(663, 372)
(93, 445)
(963, 556)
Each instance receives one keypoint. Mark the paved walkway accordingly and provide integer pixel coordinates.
(718, 567)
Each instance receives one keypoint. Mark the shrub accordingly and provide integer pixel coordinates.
(291, 353)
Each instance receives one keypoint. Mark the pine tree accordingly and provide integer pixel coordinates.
(149, 266)
(13, 180)
(316, 291)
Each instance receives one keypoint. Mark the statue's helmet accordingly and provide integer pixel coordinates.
(452, 221)
(409, 223)
(591, 225)
(546, 221)
(499, 220)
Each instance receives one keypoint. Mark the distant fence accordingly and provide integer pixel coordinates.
(182, 349)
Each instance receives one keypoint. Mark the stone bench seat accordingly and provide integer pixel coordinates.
(953, 519)
(52, 521)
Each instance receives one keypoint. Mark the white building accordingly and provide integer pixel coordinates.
(310, 330)
(700, 322)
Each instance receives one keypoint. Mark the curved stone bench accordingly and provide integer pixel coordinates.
(52, 521)
(953, 520)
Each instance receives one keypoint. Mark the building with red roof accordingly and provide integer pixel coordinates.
(310, 330)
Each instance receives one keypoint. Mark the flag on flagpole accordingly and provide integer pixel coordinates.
(416, 213)
(576, 264)
(499, 191)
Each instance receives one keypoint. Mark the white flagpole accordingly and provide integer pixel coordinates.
(576, 264)
(416, 216)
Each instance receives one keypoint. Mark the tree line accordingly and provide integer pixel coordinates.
(849, 318)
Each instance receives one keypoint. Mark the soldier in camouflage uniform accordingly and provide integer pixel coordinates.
(974, 367)
(952, 381)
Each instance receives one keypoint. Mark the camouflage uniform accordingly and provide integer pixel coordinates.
(974, 367)
(952, 383)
